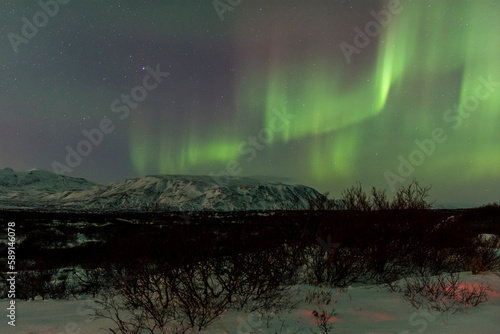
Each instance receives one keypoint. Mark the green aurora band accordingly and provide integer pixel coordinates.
(427, 59)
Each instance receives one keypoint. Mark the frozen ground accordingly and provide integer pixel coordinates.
(359, 309)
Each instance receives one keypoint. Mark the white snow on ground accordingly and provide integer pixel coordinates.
(360, 309)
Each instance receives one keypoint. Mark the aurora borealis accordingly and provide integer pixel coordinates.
(268, 91)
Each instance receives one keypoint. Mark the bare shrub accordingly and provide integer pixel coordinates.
(322, 319)
(160, 297)
(265, 286)
(411, 197)
(44, 283)
(380, 200)
(321, 203)
(389, 261)
(484, 255)
(137, 299)
(340, 268)
(90, 281)
(443, 293)
(319, 296)
(355, 199)
(58, 287)
(435, 260)
(203, 291)
(31, 283)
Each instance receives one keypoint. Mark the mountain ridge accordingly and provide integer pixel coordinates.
(41, 190)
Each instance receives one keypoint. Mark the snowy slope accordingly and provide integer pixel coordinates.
(39, 179)
(38, 189)
(28, 189)
(360, 309)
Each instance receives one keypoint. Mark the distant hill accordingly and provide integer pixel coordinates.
(43, 190)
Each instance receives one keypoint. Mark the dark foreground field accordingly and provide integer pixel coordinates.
(58, 240)
(50, 241)
(204, 263)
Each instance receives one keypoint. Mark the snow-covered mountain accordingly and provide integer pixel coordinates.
(39, 179)
(43, 190)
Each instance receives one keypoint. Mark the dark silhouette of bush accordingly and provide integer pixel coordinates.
(155, 295)
(42, 283)
(355, 198)
(411, 197)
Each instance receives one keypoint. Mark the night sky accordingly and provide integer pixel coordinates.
(321, 92)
